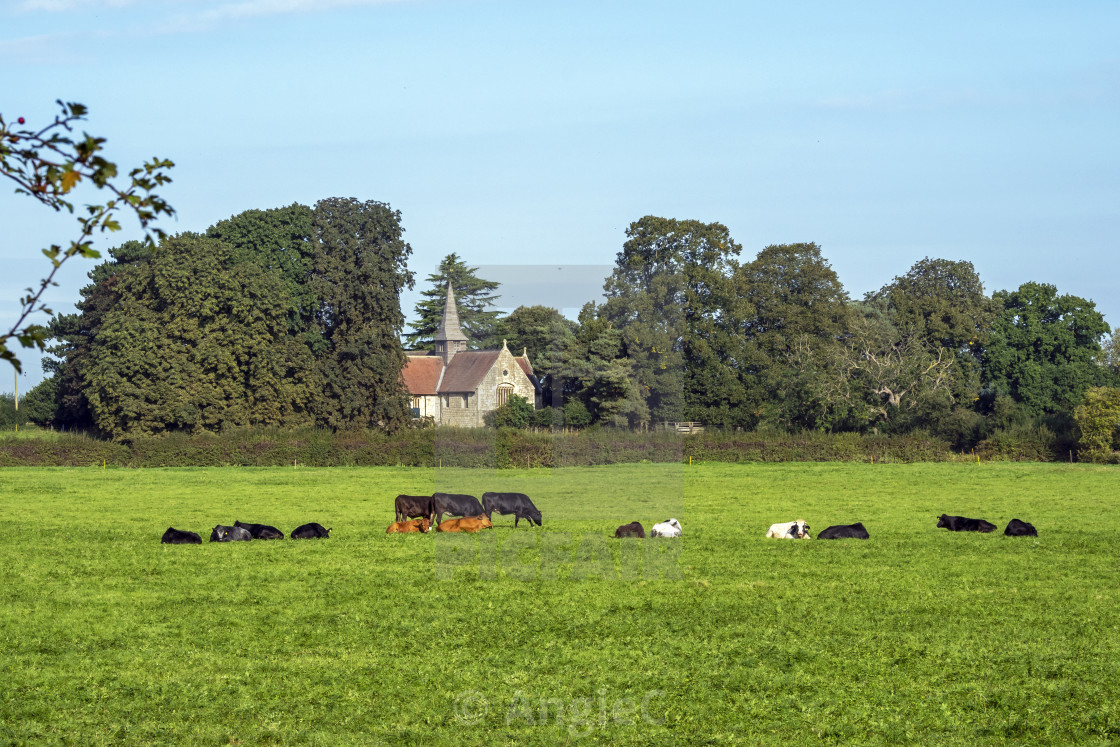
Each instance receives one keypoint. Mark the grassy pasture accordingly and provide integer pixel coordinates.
(917, 635)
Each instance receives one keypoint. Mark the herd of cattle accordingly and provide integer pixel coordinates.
(417, 513)
(800, 530)
(241, 532)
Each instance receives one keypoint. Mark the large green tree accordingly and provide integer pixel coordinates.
(941, 302)
(787, 297)
(1043, 348)
(282, 239)
(359, 273)
(194, 340)
(473, 299)
(667, 296)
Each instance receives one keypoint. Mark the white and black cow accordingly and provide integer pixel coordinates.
(455, 504)
(789, 530)
(230, 534)
(517, 504)
(175, 536)
(310, 531)
(845, 531)
(668, 528)
(1016, 528)
(261, 531)
(962, 524)
(414, 507)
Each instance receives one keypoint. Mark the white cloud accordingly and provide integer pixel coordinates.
(259, 8)
(65, 6)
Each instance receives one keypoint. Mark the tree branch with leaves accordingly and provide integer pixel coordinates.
(47, 164)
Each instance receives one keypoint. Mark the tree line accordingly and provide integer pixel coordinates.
(291, 317)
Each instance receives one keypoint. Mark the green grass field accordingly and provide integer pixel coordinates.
(533, 637)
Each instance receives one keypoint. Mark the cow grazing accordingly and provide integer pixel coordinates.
(668, 528)
(261, 531)
(455, 504)
(844, 531)
(230, 534)
(415, 525)
(517, 504)
(1016, 528)
(961, 524)
(790, 530)
(310, 531)
(415, 507)
(466, 524)
(175, 536)
(633, 529)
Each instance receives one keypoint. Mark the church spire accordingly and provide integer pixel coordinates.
(449, 337)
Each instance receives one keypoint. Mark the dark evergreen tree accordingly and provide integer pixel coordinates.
(193, 340)
(360, 271)
(281, 239)
(473, 297)
(544, 334)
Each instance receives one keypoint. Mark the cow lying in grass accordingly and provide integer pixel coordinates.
(961, 524)
(789, 530)
(1016, 528)
(844, 531)
(261, 531)
(467, 524)
(668, 528)
(404, 527)
(230, 534)
(175, 536)
(310, 531)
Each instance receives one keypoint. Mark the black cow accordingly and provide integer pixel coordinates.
(517, 504)
(1016, 528)
(455, 504)
(230, 534)
(175, 536)
(961, 524)
(845, 531)
(261, 531)
(310, 531)
(415, 507)
(633, 529)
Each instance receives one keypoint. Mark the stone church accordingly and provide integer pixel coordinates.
(456, 386)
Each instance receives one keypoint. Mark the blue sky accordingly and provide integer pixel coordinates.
(534, 133)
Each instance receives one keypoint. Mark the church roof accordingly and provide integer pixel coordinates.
(466, 370)
(449, 326)
(422, 373)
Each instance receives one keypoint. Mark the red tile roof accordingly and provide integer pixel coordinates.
(421, 374)
(467, 369)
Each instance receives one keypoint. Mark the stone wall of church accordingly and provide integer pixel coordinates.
(454, 412)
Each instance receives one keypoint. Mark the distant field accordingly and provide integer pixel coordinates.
(516, 637)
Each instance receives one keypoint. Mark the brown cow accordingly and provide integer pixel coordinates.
(415, 525)
(468, 524)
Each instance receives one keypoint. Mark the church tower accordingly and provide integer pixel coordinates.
(449, 338)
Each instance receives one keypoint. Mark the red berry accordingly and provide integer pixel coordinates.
(21, 120)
